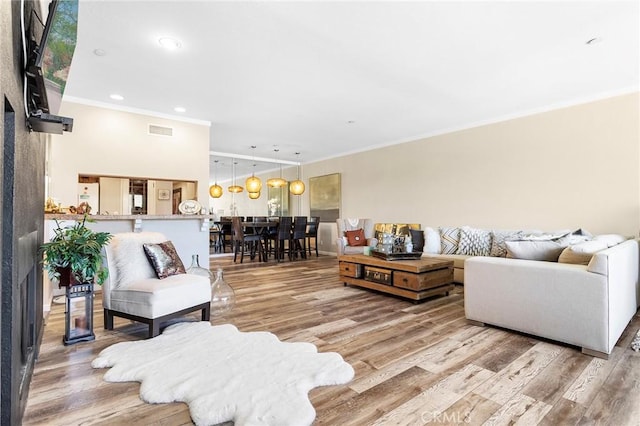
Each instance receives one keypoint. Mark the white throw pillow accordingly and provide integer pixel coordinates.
(431, 241)
(581, 254)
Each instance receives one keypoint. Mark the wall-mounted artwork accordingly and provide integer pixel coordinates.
(164, 194)
(278, 203)
(324, 197)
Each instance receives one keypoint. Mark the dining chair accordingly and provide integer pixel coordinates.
(243, 241)
(282, 238)
(226, 233)
(298, 246)
(312, 232)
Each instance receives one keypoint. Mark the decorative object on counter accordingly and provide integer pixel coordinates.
(196, 269)
(51, 206)
(189, 207)
(82, 208)
(74, 254)
(223, 298)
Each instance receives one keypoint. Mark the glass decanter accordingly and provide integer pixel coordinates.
(223, 298)
(196, 269)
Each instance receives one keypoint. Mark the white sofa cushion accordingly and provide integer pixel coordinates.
(534, 250)
(610, 239)
(153, 298)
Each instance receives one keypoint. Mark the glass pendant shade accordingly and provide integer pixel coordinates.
(296, 187)
(253, 184)
(235, 189)
(254, 195)
(215, 191)
(223, 298)
(276, 182)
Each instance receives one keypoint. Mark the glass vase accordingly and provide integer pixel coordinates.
(223, 298)
(196, 269)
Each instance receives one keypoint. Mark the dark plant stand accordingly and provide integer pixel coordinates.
(78, 325)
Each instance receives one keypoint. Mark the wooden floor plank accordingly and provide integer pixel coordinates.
(414, 363)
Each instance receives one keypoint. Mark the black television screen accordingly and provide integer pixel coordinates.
(49, 63)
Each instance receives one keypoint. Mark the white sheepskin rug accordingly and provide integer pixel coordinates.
(226, 375)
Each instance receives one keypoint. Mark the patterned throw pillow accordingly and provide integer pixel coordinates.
(498, 249)
(474, 242)
(164, 259)
(449, 238)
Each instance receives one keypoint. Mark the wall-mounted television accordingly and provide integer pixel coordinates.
(50, 50)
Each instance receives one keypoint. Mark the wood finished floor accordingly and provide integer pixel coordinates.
(414, 363)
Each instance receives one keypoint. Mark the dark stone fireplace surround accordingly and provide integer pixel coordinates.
(22, 159)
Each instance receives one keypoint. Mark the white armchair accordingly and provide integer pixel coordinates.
(351, 225)
(133, 290)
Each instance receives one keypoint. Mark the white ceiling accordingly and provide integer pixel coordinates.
(329, 78)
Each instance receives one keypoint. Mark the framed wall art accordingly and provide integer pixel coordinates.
(164, 194)
(324, 197)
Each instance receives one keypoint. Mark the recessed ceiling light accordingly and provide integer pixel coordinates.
(180, 109)
(116, 97)
(99, 52)
(169, 43)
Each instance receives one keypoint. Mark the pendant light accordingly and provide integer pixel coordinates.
(234, 188)
(215, 190)
(277, 182)
(253, 184)
(254, 195)
(297, 186)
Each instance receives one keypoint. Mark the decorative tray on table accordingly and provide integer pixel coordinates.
(397, 256)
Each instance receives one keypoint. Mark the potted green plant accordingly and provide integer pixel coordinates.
(74, 254)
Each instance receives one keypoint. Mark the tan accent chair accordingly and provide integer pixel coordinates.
(352, 225)
(133, 290)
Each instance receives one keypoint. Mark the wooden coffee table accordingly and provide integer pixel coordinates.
(413, 279)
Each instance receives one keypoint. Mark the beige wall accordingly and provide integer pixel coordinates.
(116, 143)
(568, 168)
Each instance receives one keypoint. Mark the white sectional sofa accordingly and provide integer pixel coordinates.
(583, 305)
(584, 293)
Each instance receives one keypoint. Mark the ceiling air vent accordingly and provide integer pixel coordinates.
(160, 130)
